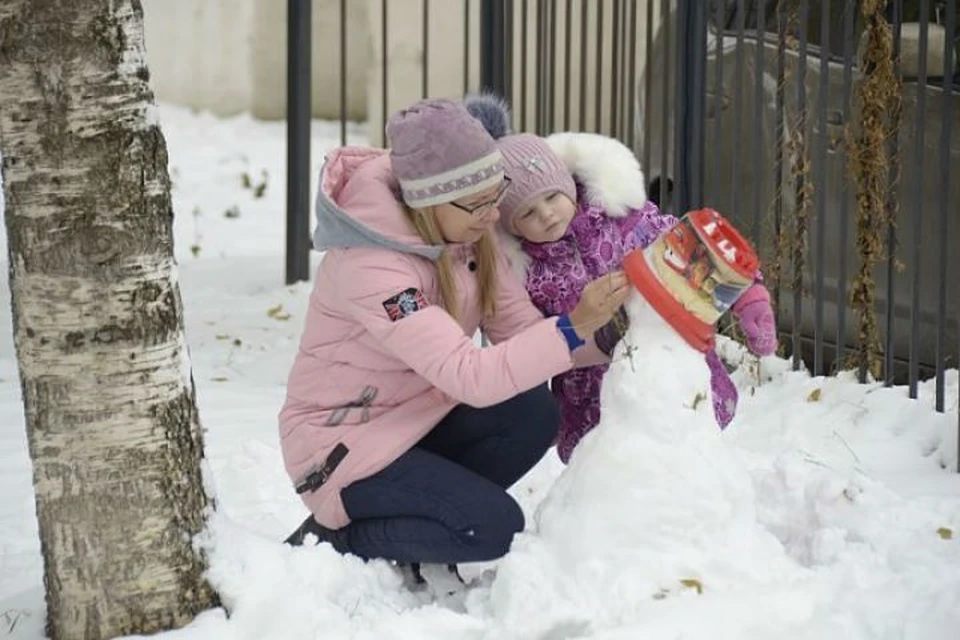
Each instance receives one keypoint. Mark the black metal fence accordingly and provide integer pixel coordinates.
(830, 136)
(859, 239)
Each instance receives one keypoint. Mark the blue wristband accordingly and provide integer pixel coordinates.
(569, 334)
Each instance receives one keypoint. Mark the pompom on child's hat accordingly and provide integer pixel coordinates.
(533, 167)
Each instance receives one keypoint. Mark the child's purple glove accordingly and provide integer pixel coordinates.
(755, 317)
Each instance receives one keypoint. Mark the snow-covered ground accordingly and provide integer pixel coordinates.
(827, 509)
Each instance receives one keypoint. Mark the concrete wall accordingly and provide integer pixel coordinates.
(199, 52)
(229, 56)
(268, 49)
(448, 53)
(447, 61)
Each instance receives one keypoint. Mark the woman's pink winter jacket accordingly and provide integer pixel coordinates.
(380, 362)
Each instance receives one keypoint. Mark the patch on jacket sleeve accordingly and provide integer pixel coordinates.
(405, 303)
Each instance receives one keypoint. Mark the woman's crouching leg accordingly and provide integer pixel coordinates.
(427, 509)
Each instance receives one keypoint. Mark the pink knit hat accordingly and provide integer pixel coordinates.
(440, 153)
(534, 170)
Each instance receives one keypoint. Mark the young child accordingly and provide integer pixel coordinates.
(576, 206)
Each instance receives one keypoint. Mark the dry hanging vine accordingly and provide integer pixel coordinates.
(774, 264)
(801, 166)
(879, 95)
(788, 243)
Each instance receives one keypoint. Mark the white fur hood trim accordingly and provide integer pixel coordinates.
(607, 169)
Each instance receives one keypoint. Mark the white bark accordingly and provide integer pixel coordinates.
(112, 423)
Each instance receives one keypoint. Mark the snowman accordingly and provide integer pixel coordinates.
(654, 507)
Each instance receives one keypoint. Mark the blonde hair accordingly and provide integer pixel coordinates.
(425, 222)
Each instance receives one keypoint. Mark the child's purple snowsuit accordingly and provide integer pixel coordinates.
(595, 244)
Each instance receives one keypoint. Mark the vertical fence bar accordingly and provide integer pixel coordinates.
(539, 71)
(631, 85)
(692, 54)
(647, 113)
(425, 66)
(619, 24)
(466, 46)
(648, 91)
(800, 184)
(893, 198)
(598, 88)
(758, 111)
(543, 74)
(716, 106)
(624, 92)
(736, 160)
(567, 58)
(628, 39)
(778, 159)
(848, 36)
(544, 71)
(523, 66)
(552, 57)
(583, 65)
(626, 84)
(615, 76)
(820, 184)
(547, 71)
(384, 64)
(535, 89)
(298, 141)
(492, 64)
(945, 138)
(917, 207)
(699, 112)
(667, 134)
(343, 73)
(680, 81)
(508, 51)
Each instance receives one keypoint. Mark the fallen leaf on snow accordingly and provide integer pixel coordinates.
(692, 583)
(277, 313)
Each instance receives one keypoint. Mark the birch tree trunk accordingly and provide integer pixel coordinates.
(108, 394)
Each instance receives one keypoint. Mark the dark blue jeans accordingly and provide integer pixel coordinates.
(444, 500)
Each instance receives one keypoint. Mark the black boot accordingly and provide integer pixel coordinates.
(452, 568)
(442, 581)
(323, 534)
(414, 568)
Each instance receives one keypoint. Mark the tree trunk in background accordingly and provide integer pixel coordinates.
(108, 394)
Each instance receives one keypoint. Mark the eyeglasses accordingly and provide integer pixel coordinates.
(484, 207)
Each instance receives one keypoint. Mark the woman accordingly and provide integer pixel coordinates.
(400, 434)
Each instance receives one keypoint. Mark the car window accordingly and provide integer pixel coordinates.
(724, 16)
(937, 14)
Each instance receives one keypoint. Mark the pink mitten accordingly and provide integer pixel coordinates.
(755, 317)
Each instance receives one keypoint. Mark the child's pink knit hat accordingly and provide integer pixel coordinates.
(532, 166)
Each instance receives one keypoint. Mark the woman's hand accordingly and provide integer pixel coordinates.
(599, 302)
